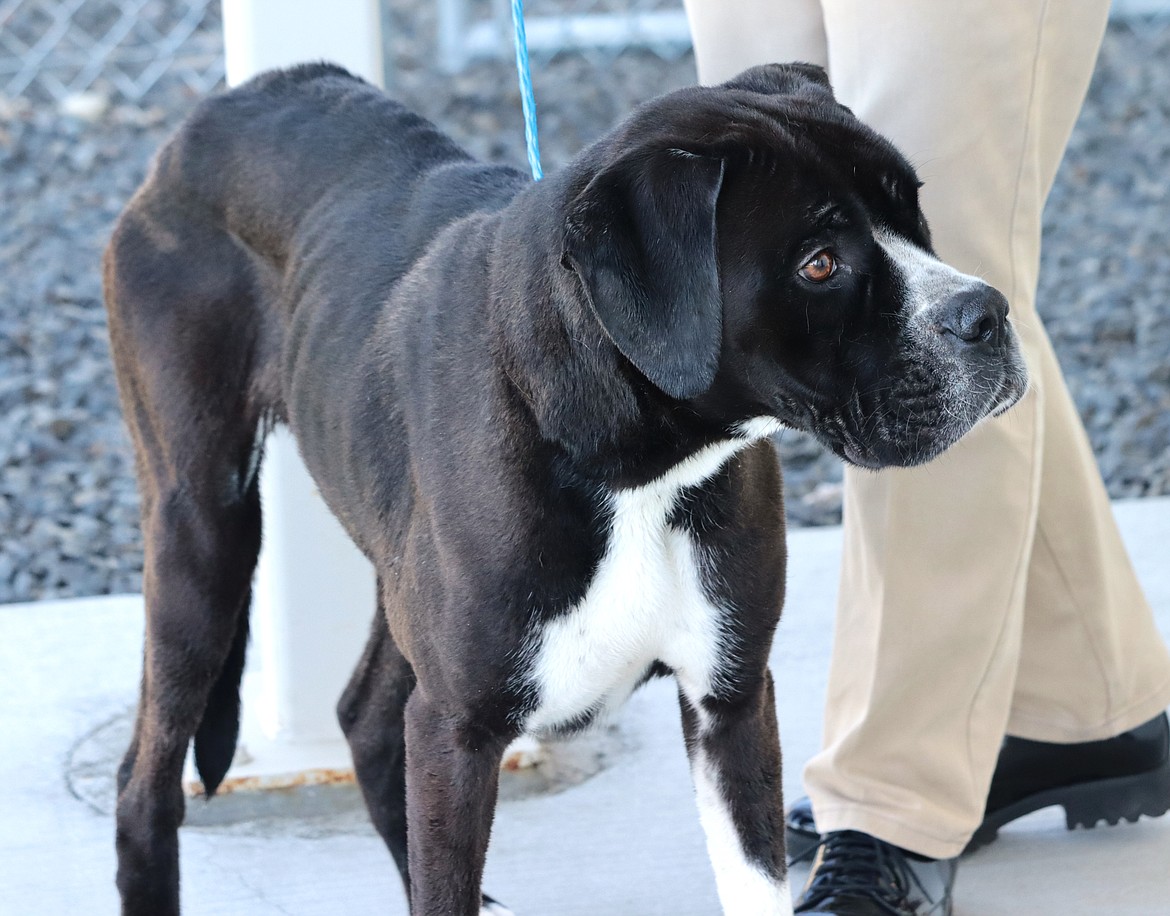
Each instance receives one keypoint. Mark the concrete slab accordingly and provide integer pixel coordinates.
(626, 841)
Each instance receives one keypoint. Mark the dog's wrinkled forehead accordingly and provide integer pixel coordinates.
(786, 118)
(783, 79)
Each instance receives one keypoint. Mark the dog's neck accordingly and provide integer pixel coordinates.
(634, 432)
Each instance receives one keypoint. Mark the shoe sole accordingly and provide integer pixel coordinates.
(1088, 804)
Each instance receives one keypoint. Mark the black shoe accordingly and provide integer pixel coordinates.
(855, 874)
(1122, 777)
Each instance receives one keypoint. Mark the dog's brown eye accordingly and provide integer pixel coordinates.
(819, 267)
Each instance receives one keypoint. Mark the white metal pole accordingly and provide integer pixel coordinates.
(315, 593)
(261, 34)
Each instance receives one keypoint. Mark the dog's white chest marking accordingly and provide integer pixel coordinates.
(646, 602)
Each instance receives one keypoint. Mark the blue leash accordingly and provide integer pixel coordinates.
(527, 99)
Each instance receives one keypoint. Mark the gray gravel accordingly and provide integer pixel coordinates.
(68, 508)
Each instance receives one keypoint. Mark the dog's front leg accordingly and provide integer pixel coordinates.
(452, 775)
(734, 749)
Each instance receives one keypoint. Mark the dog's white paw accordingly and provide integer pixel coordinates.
(523, 753)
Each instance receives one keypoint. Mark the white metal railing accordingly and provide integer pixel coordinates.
(611, 26)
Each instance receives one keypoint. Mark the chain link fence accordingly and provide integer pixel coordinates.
(51, 49)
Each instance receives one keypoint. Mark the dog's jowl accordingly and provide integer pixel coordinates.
(541, 411)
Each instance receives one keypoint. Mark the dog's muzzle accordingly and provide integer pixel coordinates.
(960, 363)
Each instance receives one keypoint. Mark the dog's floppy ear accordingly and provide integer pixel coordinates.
(641, 236)
(782, 79)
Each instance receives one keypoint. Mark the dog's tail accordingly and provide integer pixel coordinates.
(219, 730)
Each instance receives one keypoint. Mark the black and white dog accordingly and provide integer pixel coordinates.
(539, 409)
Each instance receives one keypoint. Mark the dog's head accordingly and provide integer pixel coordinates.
(755, 250)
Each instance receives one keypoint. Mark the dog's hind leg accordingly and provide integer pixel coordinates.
(183, 333)
(196, 582)
(372, 715)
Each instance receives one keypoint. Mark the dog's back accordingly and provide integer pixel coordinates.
(291, 181)
(268, 236)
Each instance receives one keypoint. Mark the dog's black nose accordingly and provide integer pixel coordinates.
(976, 315)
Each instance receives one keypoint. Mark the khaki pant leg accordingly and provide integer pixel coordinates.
(1092, 662)
(944, 574)
(729, 36)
